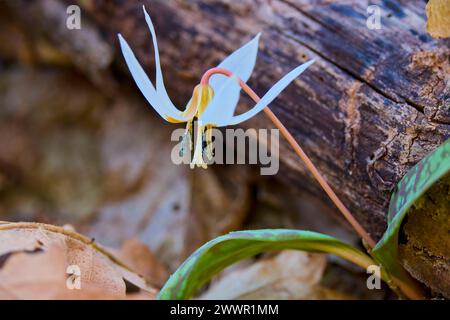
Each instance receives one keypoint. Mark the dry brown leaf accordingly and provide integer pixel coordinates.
(37, 275)
(288, 275)
(438, 18)
(42, 275)
(139, 257)
(36, 258)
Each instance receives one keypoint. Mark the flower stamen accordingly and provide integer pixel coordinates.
(197, 160)
(186, 142)
(202, 96)
(209, 148)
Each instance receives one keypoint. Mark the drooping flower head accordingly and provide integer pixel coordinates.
(214, 100)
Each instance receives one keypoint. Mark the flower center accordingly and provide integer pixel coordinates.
(201, 97)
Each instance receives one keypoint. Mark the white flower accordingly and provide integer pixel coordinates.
(213, 103)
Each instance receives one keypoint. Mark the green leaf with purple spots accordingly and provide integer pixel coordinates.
(411, 187)
(223, 251)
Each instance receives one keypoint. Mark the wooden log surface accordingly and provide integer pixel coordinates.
(374, 103)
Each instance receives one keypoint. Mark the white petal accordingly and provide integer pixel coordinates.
(145, 85)
(139, 76)
(241, 63)
(160, 88)
(271, 94)
(221, 109)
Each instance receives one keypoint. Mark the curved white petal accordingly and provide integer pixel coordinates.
(241, 63)
(221, 109)
(160, 88)
(144, 84)
(271, 94)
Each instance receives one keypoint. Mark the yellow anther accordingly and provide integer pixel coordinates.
(209, 142)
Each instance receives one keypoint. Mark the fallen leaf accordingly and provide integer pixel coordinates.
(37, 275)
(41, 275)
(38, 260)
(438, 18)
(288, 275)
(138, 256)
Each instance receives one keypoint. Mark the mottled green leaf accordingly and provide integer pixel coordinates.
(223, 251)
(410, 188)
